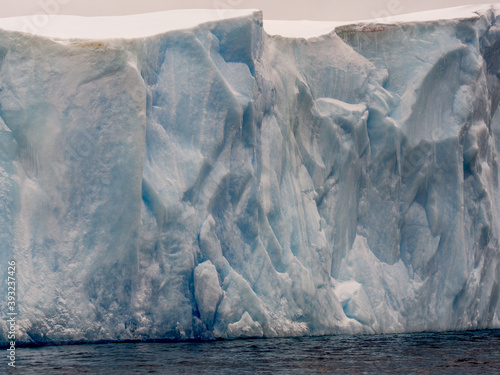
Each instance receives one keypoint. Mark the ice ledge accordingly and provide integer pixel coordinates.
(120, 27)
(312, 29)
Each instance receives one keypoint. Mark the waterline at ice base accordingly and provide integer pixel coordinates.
(204, 174)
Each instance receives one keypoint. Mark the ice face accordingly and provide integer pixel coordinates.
(220, 182)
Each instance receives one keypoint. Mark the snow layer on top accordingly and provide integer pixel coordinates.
(133, 26)
(311, 29)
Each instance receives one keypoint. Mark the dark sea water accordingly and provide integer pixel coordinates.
(424, 353)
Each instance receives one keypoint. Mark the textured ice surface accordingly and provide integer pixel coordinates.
(215, 181)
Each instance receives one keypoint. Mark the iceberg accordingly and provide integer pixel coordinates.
(206, 174)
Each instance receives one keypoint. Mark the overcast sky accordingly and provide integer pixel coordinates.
(328, 10)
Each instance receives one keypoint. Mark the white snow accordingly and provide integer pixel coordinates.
(310, 29)
(143, 25)
(301, 29)
(128, 27)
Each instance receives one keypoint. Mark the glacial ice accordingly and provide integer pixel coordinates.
(189, 175)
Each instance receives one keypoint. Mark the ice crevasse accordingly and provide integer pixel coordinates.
(194, 174)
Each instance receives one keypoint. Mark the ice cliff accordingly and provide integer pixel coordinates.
(188, 175)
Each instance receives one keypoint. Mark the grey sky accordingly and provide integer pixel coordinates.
(328, 10)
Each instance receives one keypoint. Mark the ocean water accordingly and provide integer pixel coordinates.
(475, 352)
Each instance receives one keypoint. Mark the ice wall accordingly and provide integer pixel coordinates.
(217, 181)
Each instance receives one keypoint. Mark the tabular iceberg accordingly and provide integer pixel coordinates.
(188, 175)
